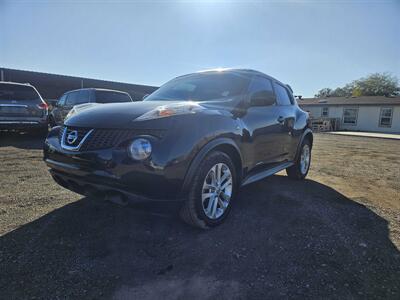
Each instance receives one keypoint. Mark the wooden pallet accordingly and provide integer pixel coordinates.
(324, 124)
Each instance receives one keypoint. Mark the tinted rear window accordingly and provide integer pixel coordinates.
(111, 97)
(78, 97)
(17, 92)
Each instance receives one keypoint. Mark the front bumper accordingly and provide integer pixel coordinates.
(112, 171)
(87, 187)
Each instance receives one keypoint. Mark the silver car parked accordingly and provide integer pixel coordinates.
(22, 108)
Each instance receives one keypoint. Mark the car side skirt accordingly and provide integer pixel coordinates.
(265, 173)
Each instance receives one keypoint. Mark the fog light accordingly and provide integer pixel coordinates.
(140, 149)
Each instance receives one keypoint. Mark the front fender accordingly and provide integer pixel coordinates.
(195, 163)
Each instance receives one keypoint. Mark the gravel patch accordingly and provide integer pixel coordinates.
(335, 235)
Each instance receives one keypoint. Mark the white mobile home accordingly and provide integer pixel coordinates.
(366, 113)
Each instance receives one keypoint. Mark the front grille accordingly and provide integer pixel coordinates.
(73, 137)
(107, 138)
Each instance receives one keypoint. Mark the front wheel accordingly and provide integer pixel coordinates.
(212, 192)
(300, 169)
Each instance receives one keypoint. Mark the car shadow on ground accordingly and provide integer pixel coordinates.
(21, 140)
(284, 239)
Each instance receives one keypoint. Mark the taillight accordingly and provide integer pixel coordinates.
(43, 105)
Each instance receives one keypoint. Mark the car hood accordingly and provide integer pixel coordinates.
(110, 115)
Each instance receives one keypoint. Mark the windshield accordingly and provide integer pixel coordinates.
(17, 92)
(201, 87)
(112, 97)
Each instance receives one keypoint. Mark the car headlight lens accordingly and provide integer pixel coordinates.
(140, 149)
(169, 110)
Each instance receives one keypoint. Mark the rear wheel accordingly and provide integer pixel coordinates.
(300, 169)
(212, 192)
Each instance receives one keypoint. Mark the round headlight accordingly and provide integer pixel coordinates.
(140, 149)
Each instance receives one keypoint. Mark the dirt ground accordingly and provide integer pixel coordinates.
(335, 235)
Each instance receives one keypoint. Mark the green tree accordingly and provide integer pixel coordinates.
(323, 93)
(339, 92)
(357, 92)
(376, 84)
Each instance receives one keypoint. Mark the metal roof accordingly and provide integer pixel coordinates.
(339, 101)
(52, 86)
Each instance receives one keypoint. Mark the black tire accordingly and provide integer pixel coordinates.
(192, 211)
(295, 171)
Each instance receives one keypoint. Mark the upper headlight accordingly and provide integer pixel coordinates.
(140, 149)
(171, 110)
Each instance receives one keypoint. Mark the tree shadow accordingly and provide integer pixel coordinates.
(21, 140)
(284, 239)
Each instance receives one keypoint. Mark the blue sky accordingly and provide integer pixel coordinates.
(310, 45)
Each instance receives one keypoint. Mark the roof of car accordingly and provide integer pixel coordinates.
(14, 83)
(248, 72)
(234, 70)
(96, 89)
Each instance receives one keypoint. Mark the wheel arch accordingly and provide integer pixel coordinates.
(225, 145)
(307, 134)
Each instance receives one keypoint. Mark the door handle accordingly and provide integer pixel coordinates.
(281, 119)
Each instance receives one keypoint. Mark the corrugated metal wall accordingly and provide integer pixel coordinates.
(52, 86)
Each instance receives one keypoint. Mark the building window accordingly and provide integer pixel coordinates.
(385, 118)
(350, 116)
(325, 112)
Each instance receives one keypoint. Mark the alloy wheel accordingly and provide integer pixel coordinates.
(217, 191)
(305, 159)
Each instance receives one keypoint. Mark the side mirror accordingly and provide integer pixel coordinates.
(145, 96)
(262, 98)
